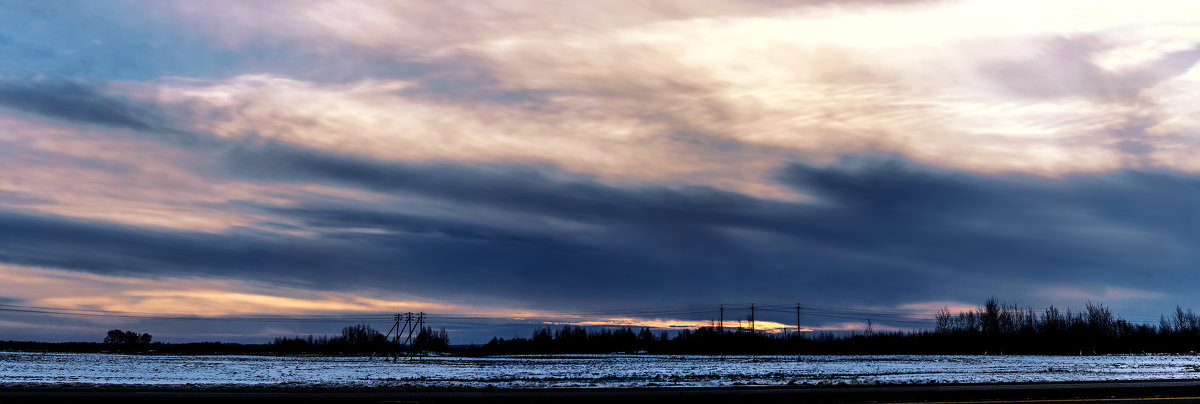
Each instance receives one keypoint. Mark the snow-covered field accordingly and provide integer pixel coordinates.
(24, 369)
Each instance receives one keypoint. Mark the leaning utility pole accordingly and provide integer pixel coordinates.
(395, 326)
(420, 326)
(408, 328)
(395, 338)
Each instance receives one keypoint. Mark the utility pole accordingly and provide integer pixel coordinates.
(396, 326)
(408, 328)
(420, 327)
(395, 338)
(797, 319)
(722, 320)
(751, 318)
(420, 323)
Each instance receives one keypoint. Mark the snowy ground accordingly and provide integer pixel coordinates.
(25, 369)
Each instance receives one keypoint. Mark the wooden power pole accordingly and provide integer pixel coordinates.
(721, 322)
(797, 319)
(751, 318)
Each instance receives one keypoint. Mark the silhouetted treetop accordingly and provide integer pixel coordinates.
(118, 337)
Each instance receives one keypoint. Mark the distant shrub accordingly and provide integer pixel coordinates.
(126, 338)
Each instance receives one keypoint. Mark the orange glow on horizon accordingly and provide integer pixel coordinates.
(214, 298)
(184, 296)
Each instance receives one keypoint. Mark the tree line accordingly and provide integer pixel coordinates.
(994, 328)
(358, 339)
(998, 326)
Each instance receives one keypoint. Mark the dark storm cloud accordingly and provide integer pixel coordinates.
(526, 189)
(877, 232)
(1080, 227)
(43, 240)
(882, 228)
(917, 227)
(84, 103)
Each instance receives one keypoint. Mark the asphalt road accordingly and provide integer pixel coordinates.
(1113, 392)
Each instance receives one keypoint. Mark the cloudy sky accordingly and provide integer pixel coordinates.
(632, 160)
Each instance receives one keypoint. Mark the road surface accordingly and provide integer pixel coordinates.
(1113, 392)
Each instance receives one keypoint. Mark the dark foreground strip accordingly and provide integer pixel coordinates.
(1116, 392)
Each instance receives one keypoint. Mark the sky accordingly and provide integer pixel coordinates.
(236, 171)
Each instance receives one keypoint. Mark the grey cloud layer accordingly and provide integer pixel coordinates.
(878, 232)
(80, 102)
